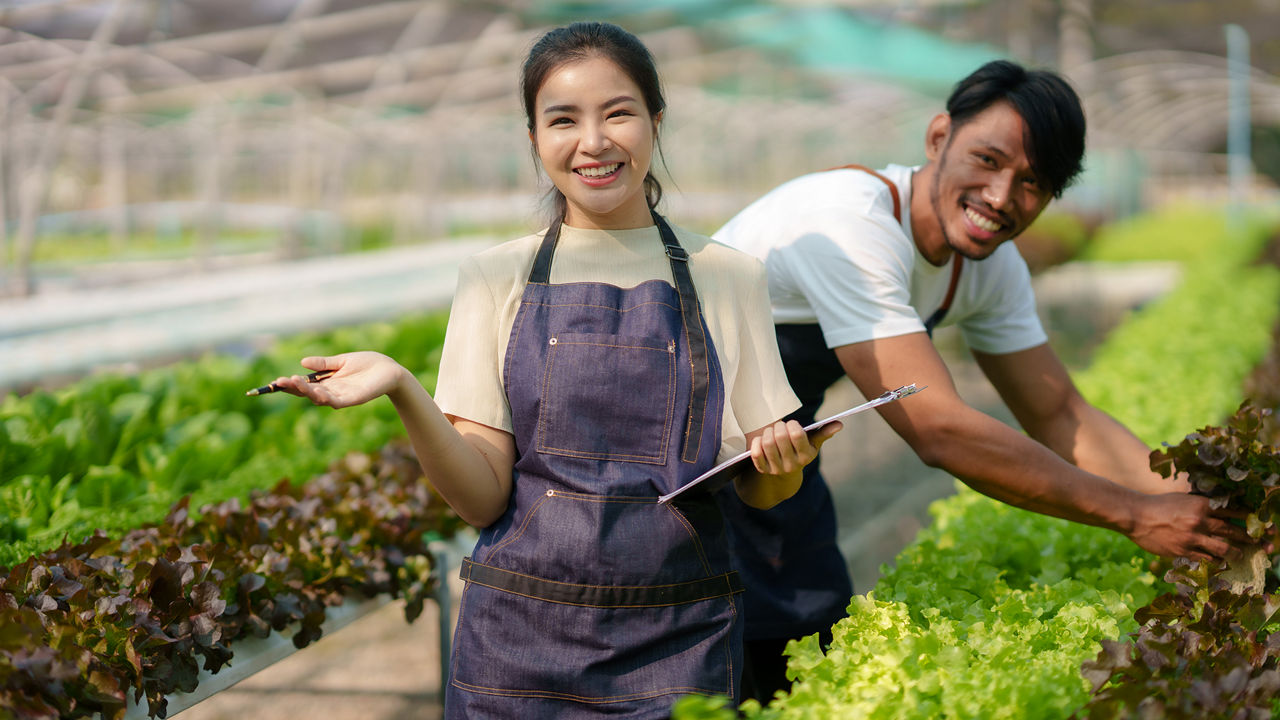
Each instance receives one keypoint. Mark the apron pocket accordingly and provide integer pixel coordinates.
(583, 368)
(518, 647)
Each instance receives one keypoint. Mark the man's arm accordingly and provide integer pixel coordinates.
(1036, 387)
(1005, 464)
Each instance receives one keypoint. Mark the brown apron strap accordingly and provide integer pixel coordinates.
(941, 312)
(893, 189)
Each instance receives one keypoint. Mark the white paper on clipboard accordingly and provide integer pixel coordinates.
(726, 470)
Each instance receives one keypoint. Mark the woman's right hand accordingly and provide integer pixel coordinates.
(359, 378)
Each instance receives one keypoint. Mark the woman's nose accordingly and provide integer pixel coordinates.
(595, 139)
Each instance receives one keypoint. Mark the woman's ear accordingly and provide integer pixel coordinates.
(936, 135)
(657, 120)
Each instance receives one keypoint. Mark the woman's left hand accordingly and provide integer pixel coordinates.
(784, 447)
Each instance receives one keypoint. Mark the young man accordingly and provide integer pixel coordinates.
(862, 265)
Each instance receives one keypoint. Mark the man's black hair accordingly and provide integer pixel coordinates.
(1054, 139)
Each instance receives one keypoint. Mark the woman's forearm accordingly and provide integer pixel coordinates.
(470, 468)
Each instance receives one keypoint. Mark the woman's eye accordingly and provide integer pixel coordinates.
(560, 121)
(621, 113)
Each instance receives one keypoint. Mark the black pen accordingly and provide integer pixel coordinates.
(316, 376)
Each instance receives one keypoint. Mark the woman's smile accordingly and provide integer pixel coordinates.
(598, 175)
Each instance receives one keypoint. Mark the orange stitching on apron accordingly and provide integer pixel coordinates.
(659, 459)
(693, 535)
(547, 694)
(516, 535)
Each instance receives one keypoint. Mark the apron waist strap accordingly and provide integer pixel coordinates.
(604, 596)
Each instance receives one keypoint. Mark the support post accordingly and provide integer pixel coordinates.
(1239, 153)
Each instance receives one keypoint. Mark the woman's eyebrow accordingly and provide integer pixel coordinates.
(618, 101)
(573, 108)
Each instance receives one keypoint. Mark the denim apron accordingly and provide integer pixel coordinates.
(587, 598)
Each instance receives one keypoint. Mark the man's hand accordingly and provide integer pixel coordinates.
(1178, 524)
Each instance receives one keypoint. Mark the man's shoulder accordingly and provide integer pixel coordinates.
(710, 251)
(850, 187)
(836, 198)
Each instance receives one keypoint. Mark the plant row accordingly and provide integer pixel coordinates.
(86, 625)
(1208, 647)
(115, 451)
(992, 611)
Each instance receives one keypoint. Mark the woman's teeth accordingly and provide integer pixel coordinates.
(599, 171)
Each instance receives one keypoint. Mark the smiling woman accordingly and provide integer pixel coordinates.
(588, 370)
(586, 112)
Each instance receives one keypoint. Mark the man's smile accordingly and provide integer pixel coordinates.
(982, 221)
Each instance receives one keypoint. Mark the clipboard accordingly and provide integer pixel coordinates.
(718, 476)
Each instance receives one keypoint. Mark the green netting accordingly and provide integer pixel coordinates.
(833, 39)
(819, 38)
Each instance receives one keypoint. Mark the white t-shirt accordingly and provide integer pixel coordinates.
(731, 289)
(836, 256)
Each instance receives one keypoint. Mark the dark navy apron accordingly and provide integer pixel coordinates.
(797, 579)
(587, 598)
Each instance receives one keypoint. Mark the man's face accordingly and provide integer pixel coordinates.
(984, 191)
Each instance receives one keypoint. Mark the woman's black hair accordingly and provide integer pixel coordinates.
(1048, 105)
(582, 40)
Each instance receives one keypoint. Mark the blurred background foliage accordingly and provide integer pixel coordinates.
(136, 129)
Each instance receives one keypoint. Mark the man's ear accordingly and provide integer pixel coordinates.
(936, 136)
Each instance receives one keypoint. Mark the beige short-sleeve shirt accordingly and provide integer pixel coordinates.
(731, 289)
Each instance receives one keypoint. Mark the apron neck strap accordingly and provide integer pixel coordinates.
(941, 312)
(540, 273)
(690, 315)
